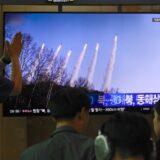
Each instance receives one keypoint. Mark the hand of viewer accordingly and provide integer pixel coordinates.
(15, 47)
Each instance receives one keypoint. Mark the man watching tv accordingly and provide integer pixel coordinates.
(11, 54)
(70, 108)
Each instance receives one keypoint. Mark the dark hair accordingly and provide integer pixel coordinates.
(157, 107)
(129, 134)
(67, 102)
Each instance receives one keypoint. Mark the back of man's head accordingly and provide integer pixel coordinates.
(67, 102)
(127, 134)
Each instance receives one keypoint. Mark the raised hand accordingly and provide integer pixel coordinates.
(15, 47)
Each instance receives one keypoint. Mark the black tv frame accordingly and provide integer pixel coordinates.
(83, 2)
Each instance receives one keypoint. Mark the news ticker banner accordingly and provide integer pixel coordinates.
(125, 100)
(102, 104)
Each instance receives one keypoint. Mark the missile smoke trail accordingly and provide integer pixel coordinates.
(92, 66)
(49, 93)
(49, 67)
(48, 71)
(109, 71)
(35, 65)
(77, 67)
(33, 69)
(64, 65)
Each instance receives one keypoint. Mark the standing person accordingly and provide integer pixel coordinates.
(125, 136)
(11, 54)
(70, 108)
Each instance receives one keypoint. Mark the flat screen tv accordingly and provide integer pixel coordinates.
(116, 56)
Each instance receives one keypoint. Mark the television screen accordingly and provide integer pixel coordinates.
(113, 55)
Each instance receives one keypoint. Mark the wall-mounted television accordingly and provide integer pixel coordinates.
(114, 55)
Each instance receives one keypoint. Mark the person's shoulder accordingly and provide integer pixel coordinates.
(83, 140)
(87, 147)
(33, 152)
(85, 137)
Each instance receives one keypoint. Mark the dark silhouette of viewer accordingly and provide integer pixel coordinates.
(70, 108)
(11, 55)
(125, 136)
